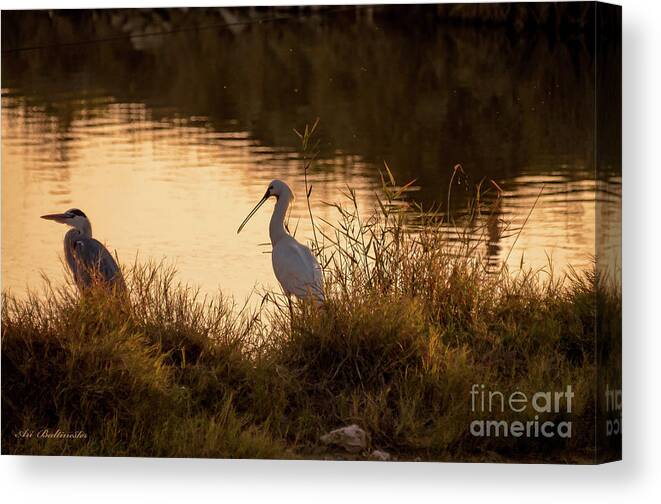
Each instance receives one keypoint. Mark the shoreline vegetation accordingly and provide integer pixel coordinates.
(413, 320)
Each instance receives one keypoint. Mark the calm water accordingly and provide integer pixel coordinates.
(167, 143)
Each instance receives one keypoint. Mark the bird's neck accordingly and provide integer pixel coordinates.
(277, 226)
(84, 229)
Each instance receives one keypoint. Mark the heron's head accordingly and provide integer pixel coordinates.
(72, 217)
(276, 188)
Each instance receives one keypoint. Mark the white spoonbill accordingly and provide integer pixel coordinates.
(294, 265)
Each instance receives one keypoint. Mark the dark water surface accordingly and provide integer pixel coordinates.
(167, 142)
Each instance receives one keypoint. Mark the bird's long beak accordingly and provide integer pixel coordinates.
(266, 196)
(57, 217)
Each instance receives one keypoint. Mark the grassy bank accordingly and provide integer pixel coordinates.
(413, 319)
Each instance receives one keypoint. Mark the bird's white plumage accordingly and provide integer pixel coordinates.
(294, 265)
(297, 269)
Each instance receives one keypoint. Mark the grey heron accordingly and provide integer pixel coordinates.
(294, 265)
(89, 261)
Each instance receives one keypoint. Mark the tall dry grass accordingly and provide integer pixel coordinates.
(415, 315)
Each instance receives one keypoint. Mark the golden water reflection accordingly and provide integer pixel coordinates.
(176, 190)
(153, 190)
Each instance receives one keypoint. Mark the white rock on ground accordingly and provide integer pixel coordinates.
(380, 455)
(352, 438)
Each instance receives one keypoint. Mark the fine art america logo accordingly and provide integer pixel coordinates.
(495, 403)
(613, 411)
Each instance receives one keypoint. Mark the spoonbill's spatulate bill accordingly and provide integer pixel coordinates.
(89, 261)
(294, 265)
